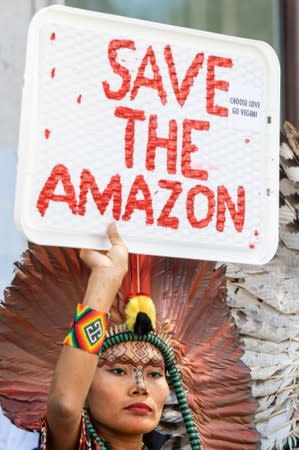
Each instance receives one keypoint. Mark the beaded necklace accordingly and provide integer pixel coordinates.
(104, 445)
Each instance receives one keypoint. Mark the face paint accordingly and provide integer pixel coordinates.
(140, 384)
(136, 353)
(128, 373)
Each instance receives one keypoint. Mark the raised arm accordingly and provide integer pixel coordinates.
(76, 368)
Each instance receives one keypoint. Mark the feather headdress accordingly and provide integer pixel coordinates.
(189, 297)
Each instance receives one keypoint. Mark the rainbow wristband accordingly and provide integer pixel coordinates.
(88, 329)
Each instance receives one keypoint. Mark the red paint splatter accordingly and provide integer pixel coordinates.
(79, 98)
(53, 37)
(251, 245)
(247, 140)
(53, 72)
(256, 233)
(47, 133)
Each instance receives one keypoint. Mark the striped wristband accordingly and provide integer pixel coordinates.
(88, 329)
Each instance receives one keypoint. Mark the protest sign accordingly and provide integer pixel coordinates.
(170, 132)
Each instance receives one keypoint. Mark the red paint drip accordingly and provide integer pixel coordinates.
(247, 140)
(251, 245)
(256, 233)
(47, 133)
(79, 98)
(53, 37)
(53, 72)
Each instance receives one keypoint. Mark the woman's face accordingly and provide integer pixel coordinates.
(129, 389)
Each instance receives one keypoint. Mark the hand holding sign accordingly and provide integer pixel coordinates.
(116, 256)
(107, 271)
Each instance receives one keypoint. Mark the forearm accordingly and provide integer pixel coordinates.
(75, 368)
(101, 290)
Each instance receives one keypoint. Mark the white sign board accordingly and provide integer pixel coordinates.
(170, 132)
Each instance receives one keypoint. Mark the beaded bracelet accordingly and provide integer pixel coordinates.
(88, 329)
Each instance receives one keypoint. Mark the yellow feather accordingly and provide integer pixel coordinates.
(137, 304)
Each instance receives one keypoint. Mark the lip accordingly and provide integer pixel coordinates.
(139, 408)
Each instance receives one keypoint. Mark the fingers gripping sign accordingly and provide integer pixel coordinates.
(117, 255)
(118, 252)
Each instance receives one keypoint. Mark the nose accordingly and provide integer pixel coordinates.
(140, 387)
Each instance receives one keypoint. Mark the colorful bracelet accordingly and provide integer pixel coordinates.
(88, 329)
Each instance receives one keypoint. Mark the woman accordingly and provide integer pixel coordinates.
(108, 387)
(124, 390)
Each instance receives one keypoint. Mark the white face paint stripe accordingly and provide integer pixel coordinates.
(139, 377)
